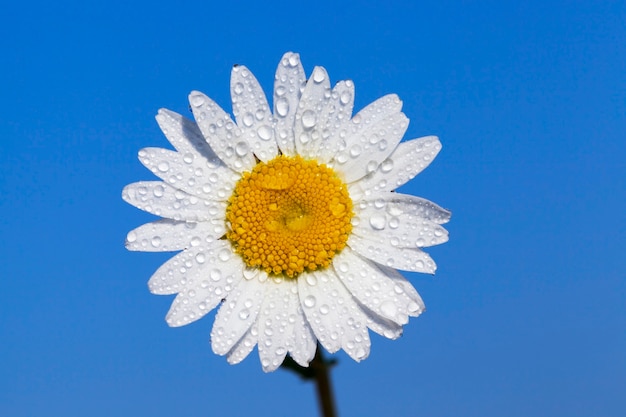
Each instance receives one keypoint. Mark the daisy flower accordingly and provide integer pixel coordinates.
(286, 218)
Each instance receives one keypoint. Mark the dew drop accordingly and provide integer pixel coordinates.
(224, 255)
(282, 107)
(308, 119)
(215, 275)
(318, 75)
(389, 309)
(387, 165)
(131, 237)
(163, 166)
(378, 221)
(156, 241)
(355, 150)
(371, 166)
(293, 60)
(197, 100)
(200, 258)
(238, 88)
(309, 301)
(241, 148)
(244, 314)
(311, 280)
(345, 97)
(158, 191)
(413, 307)
(265, 132)
(248, 119)
(188, 158)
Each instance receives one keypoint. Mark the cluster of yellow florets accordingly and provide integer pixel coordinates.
(288, 215)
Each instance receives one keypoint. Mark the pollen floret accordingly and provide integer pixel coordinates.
(289, 215)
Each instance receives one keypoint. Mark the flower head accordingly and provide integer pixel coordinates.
(287, 218)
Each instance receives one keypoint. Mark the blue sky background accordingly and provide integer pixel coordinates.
(527, 313)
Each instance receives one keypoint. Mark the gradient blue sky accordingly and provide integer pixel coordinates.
(527, 313)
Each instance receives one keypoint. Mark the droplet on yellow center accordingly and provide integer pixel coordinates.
(289, 215)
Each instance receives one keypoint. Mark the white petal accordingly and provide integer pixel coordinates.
(237, 314)
(407, 160)
(222, 134)
(373, 288)
(326, 136)
(313, 100)
(162, 200)
(167, 235)
(243, 348)
(382, 326)
(373, 145)
(288, 84)
(252, 113)
(417, 307)
(398, 204)
(385, 222)
(203, 279)
(185, 135)
(191, 172)
(379, 251)
(192, 268)
(335, 120)
(304, 344)
(336, 319)
(276, 322)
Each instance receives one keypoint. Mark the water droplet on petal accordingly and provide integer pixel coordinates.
(224, 255)
(241, 148)
(293, 60)
(413, 307)
(197, 100)
(238, 88)
(387, 165)
(248, 119)
(282, 107)
(318, 75)
(265, 132)
(309, 301)
(378, 221)
(324, 309)
(156, 241)
(163, 166)
(389, 309)
(244, 314)
(360, 353)
(371, 166)
(308, 119)
(200, 258)
(311, 280)
(131, 237)
(345, 97)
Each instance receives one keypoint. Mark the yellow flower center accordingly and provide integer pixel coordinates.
(289, 215)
